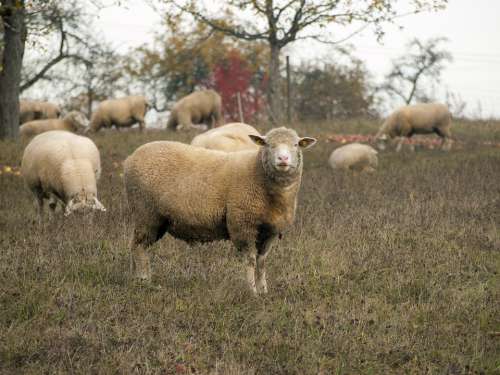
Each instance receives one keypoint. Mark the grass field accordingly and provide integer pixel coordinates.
(391, 273)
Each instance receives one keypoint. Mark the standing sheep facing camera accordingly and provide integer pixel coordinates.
(356, 157)
(74, 122)
(200, 107)
(425, 118)
(59, 165)
(248, 197)
(30, 110)
(230, 138)
(122, 112)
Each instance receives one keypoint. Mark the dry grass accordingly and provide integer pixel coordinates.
(392, 273)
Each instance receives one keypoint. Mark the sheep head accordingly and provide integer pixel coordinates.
(281, 151)
(83, 201)
(79, 120)
(381, 141)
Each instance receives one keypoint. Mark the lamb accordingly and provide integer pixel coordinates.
(230, 137)
(122, 112)
(248, 197)
(74, 121)
(355, 156)
(416, 119)
(61, 166)
(201, 107)
(30, 110)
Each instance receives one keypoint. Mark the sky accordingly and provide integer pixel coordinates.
(472, 27)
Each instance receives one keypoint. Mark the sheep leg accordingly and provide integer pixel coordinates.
(142, 125)
(52, 207)
(263, 246)
(400, 144)
(445, 135)
(250, 270)
(140, 261)
(39, 204)
(261, 273)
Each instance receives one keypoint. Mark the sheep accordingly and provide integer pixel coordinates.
(30, 110)
(201, 107)
(74, 121)
(61, 166)
(200, 195)
(122, 112)
(230, 137)
(424, 118)
(355, 156)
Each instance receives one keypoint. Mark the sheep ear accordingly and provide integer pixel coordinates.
(307, 142)
(98, 205)
(69, 208)
(258, 140)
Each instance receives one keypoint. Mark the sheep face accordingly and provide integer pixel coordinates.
(79, 120)
(282, 149)
(82, 202)
(381, 142)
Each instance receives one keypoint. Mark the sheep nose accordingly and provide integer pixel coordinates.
(283, 157)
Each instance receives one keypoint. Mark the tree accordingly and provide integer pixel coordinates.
(66, 22)
(326, 91)
(13, 32)
(195, 57)
(29, 22)
(423, 60)
(281, 22)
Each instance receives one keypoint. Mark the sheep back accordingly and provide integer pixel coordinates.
(30, 110)
(121, 112)
(61, 163)
(196, 108)
(230, 137)
(354, 156)
(422, 118)
(204, 195)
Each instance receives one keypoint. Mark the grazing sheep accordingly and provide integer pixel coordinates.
(200, 107)
(30, 110)
(230, 137)
(74, 122)
(59, 165)
(356, 157)
(122, 112)
(248, 197)
(416, 119)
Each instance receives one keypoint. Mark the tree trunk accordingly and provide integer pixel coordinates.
(274, 88)
(14, 36)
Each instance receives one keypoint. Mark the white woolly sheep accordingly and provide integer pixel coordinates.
(122, 112)
(200, 107)
(62, 166)
(74, 121)
(230, 137)
(416, 119)
(355, 156)
(30, 110)
(248, 197)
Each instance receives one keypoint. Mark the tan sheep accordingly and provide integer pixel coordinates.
(30, 110)
(248, 197)
(62, 166)
(200, 107)
(122, 112)
(416, 119)
(230, 137)
(74, 121)
(355, 157)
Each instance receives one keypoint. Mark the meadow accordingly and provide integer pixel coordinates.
(395, 272)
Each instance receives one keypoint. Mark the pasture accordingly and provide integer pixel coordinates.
(390, 273)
